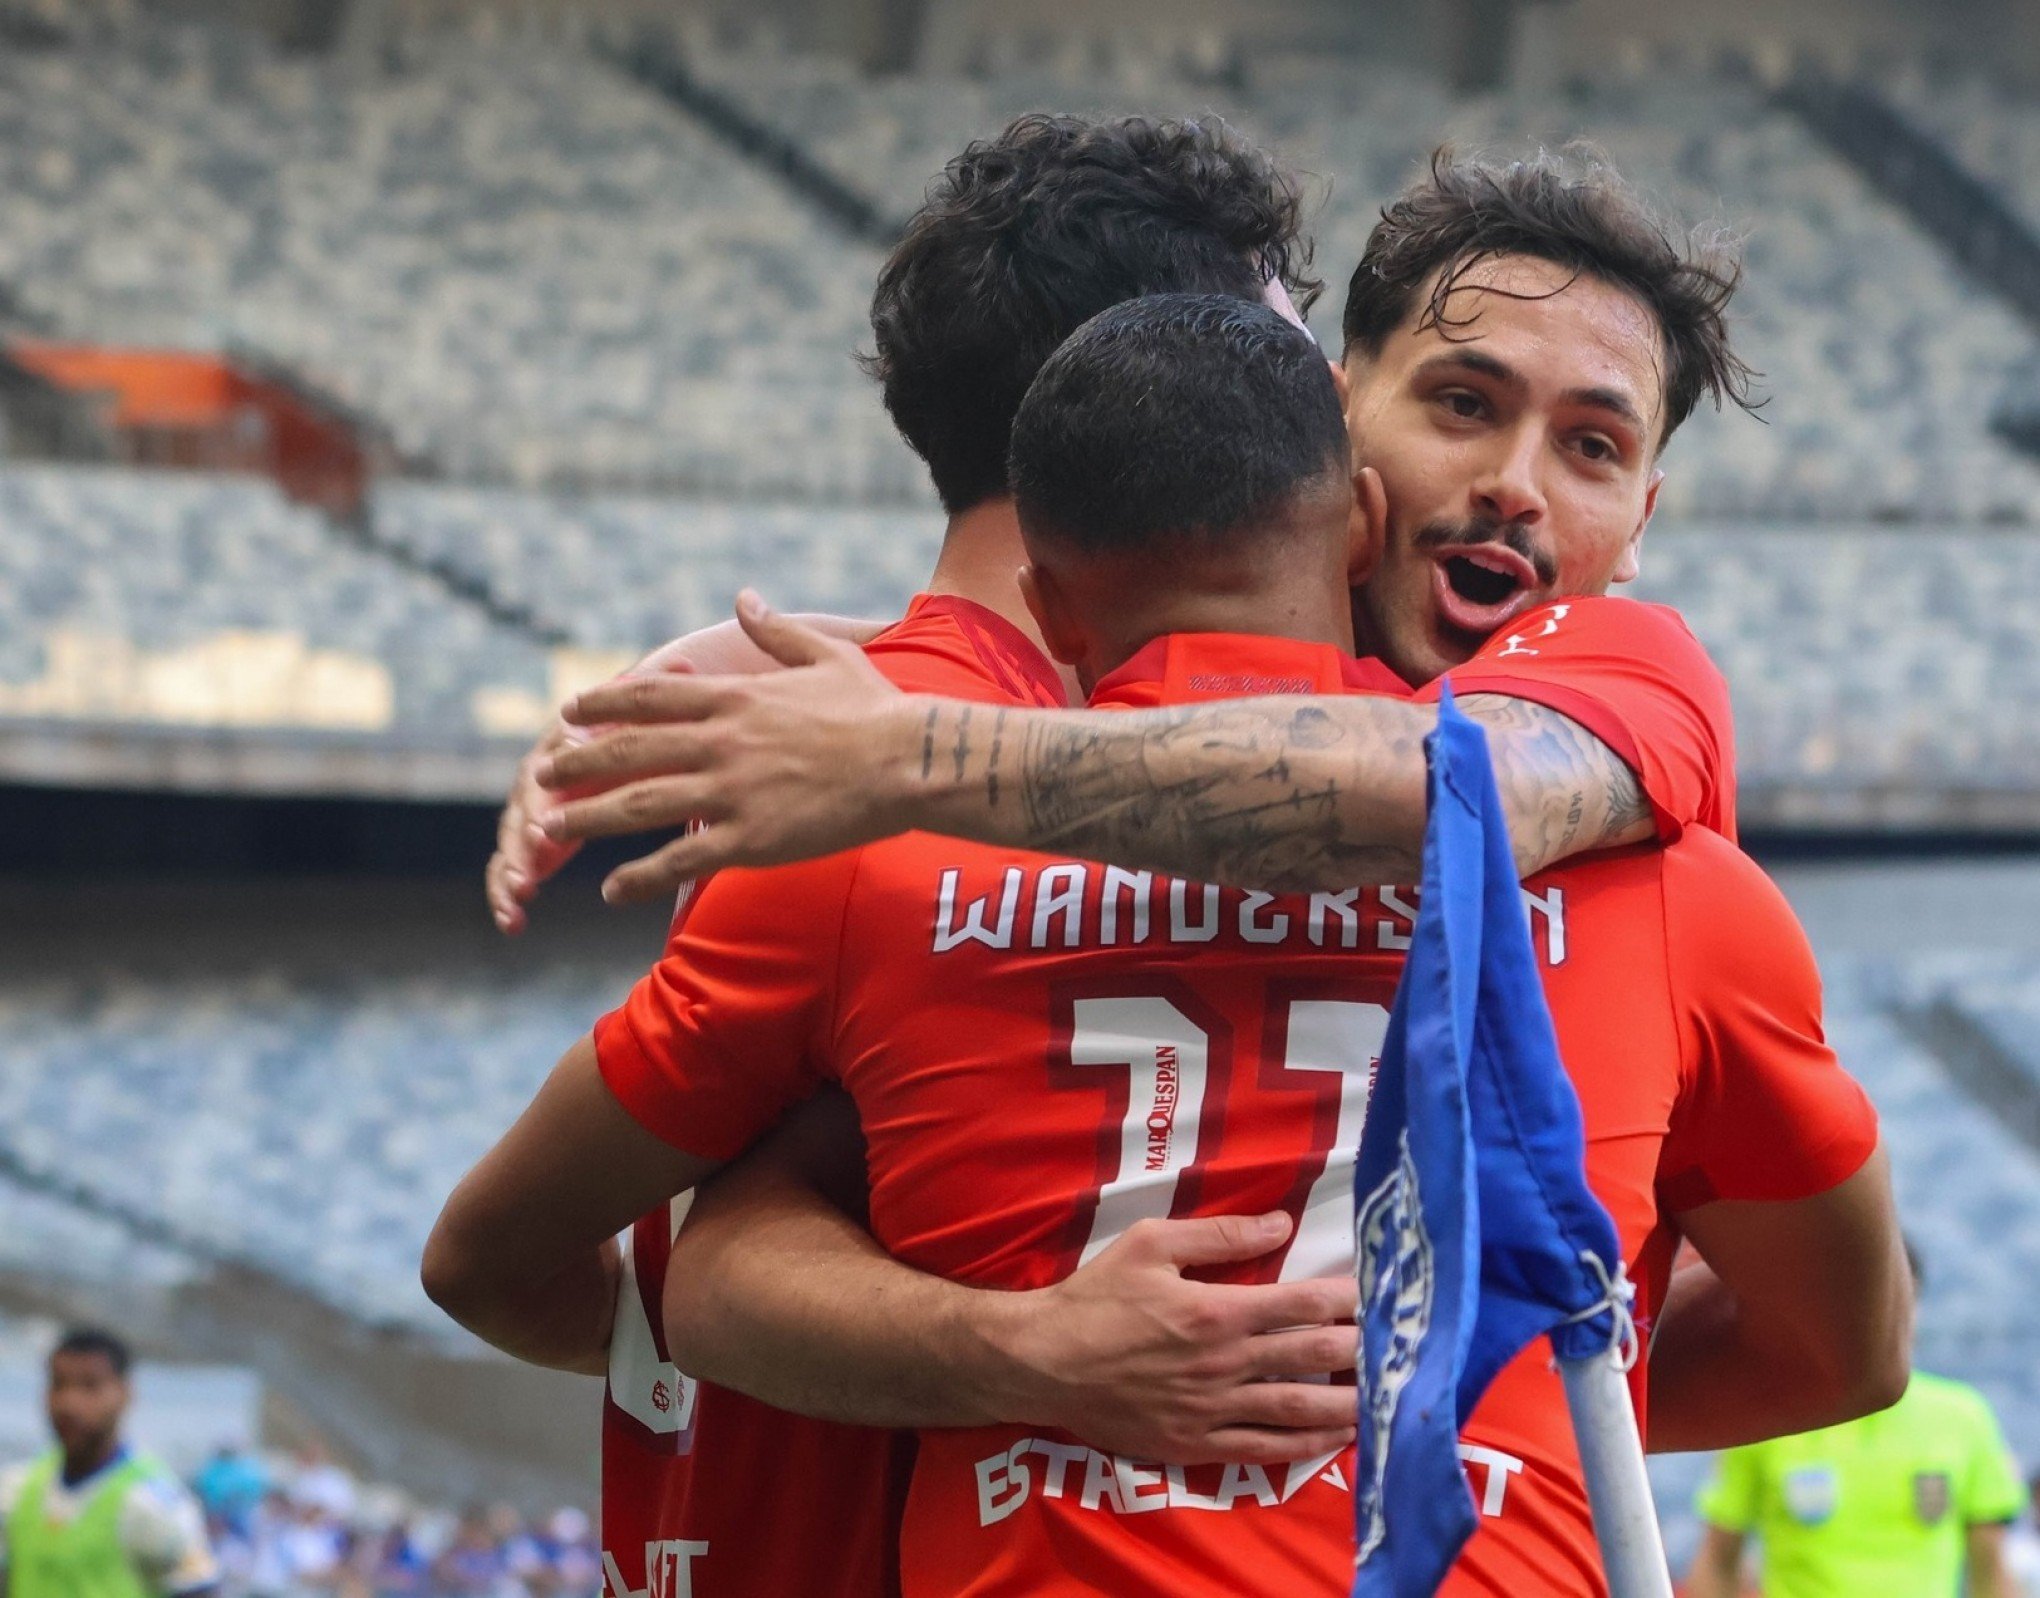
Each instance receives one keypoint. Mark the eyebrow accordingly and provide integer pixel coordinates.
(1611, 400)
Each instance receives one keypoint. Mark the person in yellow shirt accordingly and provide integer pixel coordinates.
(91, 1518)
(1898, 1504)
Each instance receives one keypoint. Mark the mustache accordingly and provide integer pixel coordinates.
(1441, 535)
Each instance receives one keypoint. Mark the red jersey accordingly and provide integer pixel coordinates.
(1635, 677)
(705, 1490)
(1044, 1051)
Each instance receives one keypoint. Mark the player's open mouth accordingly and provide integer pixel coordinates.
(1481, 586)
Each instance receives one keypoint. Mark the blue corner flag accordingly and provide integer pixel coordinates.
(1473, 1224)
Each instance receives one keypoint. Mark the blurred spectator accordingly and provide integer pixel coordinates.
(389, 1547)
(320, 1482)
(230, 1484)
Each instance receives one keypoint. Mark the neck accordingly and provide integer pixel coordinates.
(981, 559)
(89, 1457)
(1263, 605)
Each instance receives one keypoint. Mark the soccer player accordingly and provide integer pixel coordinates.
(1045, 1053)
(700, 1484)
(91, 1518)
(1915, 1499)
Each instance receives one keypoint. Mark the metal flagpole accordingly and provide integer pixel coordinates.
(1618, 1488)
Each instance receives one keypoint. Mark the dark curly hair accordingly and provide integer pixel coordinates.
(1573, 209)
(1027, 235)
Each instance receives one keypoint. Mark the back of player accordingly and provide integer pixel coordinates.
(708, 1491)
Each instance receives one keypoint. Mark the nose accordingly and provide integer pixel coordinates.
(1507, 488)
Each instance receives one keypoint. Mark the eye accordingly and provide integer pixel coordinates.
(1598, 449)
(1462, 403)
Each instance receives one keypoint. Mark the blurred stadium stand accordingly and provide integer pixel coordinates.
(609, 341)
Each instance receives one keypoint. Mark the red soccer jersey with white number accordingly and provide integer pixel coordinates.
(705, 1490)
(1635, 677)
(1043, 1051)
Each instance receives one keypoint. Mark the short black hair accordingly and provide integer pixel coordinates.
(1025, 235)
(95, 1340)
(1571, 208)
(1174, 416)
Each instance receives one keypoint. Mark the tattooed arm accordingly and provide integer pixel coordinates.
(1263, 793)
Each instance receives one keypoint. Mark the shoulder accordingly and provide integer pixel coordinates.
(951, 646)
(1724, 915)
(1941, 1400)
(158, 1508)
(158, 1489)
(12, 1480)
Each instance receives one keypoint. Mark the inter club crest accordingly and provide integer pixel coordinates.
(1398, 1284)
(1933, 1496)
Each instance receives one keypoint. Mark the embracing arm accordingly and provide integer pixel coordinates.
(1799, 1317)
(1263, 793)
(525, 859)
(775, 1290)
(524, 1254)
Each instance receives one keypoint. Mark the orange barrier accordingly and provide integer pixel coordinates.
(178, 408)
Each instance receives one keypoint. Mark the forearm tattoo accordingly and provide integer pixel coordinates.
(1281, 794)
(1565, 792)
(1258, 793)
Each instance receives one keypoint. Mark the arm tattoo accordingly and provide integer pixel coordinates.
(1280, 794)
(1565, 791)
(962, 749)
(992, 760)
(1258, 793)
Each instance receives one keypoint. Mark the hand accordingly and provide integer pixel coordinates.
(771, 768)
(525, 858)
(1138, 1360)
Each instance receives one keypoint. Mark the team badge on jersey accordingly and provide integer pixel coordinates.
(1812, 1494)
(1933, 1496)
(1397, 1286)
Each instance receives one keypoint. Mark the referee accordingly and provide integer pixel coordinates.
(1896, 1505)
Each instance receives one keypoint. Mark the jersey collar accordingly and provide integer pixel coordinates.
(1184, 668)
(987, 629)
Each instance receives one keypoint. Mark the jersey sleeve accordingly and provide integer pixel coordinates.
(1764, 1109)
(162, 1530)
(729, 1029)
(1635, 677)
(1728, 1498)
(1990, 1491)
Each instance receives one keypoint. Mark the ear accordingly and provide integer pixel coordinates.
(1631, 562)
(1050, 609)
(1340, 382)
(1368, 529)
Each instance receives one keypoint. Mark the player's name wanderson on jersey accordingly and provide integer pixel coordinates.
(1071, 904)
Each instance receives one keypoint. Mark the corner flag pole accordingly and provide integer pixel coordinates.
(1618, 1488)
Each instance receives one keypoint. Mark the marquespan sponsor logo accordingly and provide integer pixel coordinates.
(669, 1571)
(1161, 1120)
